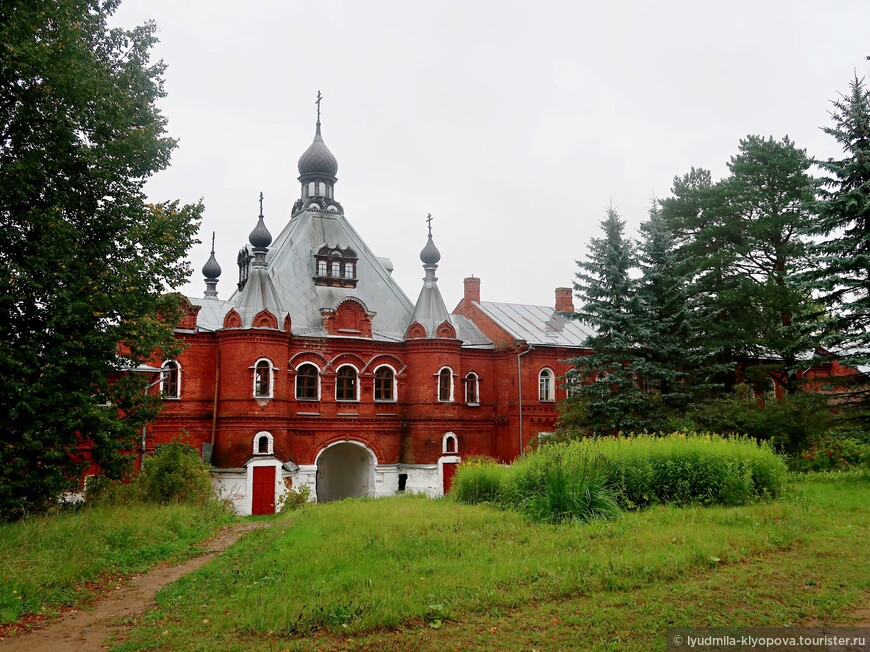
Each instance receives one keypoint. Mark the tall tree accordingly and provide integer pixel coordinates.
(86, 262)
(842, 274)
(676, 361)
(604, 396)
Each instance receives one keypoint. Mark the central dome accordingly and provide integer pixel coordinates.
(317, 160)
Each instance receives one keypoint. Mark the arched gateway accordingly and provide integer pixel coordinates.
(345, 469)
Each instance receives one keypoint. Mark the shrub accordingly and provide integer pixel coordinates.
(175, 474)
(833, 454)
(293, 498)
(479, 481)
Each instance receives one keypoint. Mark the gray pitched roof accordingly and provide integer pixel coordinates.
(537, 325)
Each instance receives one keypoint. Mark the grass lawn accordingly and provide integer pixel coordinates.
(64, 560)
(412, 573)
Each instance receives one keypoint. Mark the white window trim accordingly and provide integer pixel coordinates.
(551, 377)
(272, 370)
(452, 398)
(270, 448)
(164, 377)
(468, 377)
(296, 383)
(395, 385)
(356, 371)
(447, 437)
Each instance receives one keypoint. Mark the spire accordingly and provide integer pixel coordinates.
(211, 271)
(429, 311)
(260, 239)
(317, 163)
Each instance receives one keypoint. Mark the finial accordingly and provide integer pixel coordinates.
(429, 222)
(319, 98)
(261, 203)
(212, 242)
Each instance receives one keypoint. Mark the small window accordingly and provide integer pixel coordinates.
(348, 270)
(346, 384)
(385, 380)
(335, 270)
(170, 386)
(321, 268)
(311, 189)
(450, 444)
(264, 444)
(307, 386)
(445, 384)
(471, 389)
(545, 386)
(263, 379)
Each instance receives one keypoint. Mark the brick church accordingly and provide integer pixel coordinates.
(319, 371)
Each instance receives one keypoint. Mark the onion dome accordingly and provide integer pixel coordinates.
(317, 160)
(430, 254)
(211, 269)
(260, 238)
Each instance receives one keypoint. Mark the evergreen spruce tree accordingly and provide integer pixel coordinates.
(842, 277)
(604, 396)
(674, 360)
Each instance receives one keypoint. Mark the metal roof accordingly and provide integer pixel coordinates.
(537, 325)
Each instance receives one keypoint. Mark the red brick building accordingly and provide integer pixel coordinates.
(318, 370)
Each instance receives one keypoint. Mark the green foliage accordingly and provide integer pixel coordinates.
(175, 473)
(790, 424)
(45, 562)
(610, 306)
(85, 260)
(479, 482)
(831, 453)
(294, 498)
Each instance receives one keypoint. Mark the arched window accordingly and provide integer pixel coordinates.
(170, 385)
(335, 269)
(546, 390)
(321, 268)
(385, 384)
(263, 378)
(264, 444)
(307, 382)
(450, 444)
(445, 384)
(471, 389)
(311, 189)
(346, 384)
(348, 270)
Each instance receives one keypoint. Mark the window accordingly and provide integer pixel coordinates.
(321, 268)
(264, 444)
(346, 384)
(311, 189)
(307, 386)
(445, 384)
(263, 379)
(385, 380)
(170, 385)
(335, 270)
(450, 444)
(471, 389)
(348, 270)
(545, 386)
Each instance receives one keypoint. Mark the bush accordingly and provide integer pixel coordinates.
(595, 477)
(175, 474)
(831, 453)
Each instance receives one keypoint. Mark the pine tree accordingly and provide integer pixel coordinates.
(604, 396)
(843, 259)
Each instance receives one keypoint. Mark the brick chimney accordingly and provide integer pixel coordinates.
(564, 299)
(472, 291)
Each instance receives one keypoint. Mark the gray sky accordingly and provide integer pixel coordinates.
(514, 123)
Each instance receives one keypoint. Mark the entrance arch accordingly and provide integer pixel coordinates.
(345, 469)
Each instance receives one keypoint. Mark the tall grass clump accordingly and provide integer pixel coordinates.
(479, 480)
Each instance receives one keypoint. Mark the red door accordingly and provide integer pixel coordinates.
(263, 501)
(448, 470)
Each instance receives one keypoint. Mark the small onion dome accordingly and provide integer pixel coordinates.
(260, 236)
(430, 254)
(211, 269)
(317, 160)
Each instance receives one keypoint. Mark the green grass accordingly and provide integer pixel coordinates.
(47, 562)
(404, 572)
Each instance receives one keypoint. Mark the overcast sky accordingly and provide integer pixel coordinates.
(514, 123)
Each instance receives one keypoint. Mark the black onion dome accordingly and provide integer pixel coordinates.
(260, 236)
(430, 254)
(317, 160)
(211, 269)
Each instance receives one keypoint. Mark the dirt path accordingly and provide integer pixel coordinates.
(89, 629)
